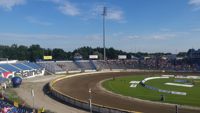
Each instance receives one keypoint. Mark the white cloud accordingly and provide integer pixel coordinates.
(113, 13)
(133, 37)
(116, 34)
(57, 1)
(195, 3)
(152, 36)
(163, 36)
(51, 40)
(14, 36)
(91, 11)
(94, 37)
(45, 40)
(48, 37)
(196, 29)
(155, 36)
(38, 22)
(9, 4)
(67, 7)
(165, 30)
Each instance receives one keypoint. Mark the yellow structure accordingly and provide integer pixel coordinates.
(47, 57)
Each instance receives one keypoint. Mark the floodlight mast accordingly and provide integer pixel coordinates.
(104, 44)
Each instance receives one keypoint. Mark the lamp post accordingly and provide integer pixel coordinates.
(90, 100)
(104, 40)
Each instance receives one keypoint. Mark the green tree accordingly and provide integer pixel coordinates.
(84, 51)
(35, 52)
(59, 54)
(22, 53)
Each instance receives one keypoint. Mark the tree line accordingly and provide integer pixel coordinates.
(36, 52)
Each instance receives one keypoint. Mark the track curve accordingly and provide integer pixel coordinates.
(77, 87)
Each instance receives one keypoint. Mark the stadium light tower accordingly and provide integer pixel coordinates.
(104, 35)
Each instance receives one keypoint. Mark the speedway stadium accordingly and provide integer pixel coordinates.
(60, 56)
(111, 86)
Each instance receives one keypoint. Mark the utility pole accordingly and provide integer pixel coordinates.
(104, 41)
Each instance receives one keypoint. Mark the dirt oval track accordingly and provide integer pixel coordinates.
(78, 87)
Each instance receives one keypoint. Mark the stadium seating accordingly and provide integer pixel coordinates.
(22, 66)
(17, 67)
(32, 65)
(128, 64)
(10, 68)
(116, 64)
(85, 65)
(101, 64)
(23, 69)
(131, 64)
(2, 70)
(51, 67)
(68, 65)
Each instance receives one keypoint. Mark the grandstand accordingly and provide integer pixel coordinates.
(32, 65)
(51, 67)
(69, 66)
(10, 68)
(23, 69)
(22, 66)
(2, 70)
(59, 67)
(116, 64)
(85, 65)
(131, 64)
(125, 64)
(101, 65)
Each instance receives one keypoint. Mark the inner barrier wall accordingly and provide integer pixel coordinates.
(82, 104)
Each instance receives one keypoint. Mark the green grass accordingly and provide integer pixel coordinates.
(121, 86)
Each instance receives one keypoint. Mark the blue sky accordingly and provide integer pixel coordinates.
(131, 25)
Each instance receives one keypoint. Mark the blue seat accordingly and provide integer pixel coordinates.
(2, 71)
(22, 66)
(33, 65)
(9, 67)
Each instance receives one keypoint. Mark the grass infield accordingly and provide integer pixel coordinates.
(121, 86)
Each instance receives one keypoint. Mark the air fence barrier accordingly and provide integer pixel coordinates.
(96, 108)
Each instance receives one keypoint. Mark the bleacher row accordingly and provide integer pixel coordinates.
(67, 66)
(96, 65)
(19, 67)
(57, 67)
